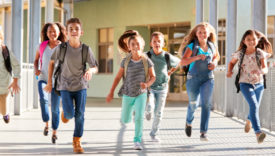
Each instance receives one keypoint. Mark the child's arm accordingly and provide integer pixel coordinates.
(151, 80)
(215, 60)
(36, 60)
(14, 87)
(187, 59)
(231, 66)
(264, 68)
(48, 87)
(89, 73)
(118, 77)
(172, 70)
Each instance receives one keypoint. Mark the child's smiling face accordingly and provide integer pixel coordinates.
(74, 31)
(53, 32)
(136, 45)
(251, 41)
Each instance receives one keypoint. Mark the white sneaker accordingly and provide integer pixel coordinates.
(137, 146)
(155, 139)
(148, 116)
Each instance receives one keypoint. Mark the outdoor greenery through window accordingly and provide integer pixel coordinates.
(105, 50)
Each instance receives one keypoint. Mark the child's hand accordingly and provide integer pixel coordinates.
(14, 88)
(229, 74)
(143, 85)
(109, 97)
(211, 66)
(201, 57)
(48, 88)
(88, 75)
(37, 72)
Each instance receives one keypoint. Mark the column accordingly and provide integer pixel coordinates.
(49, 11)
(259, 15)
(213, 14)
(34, 39)
(68, 10)
(231, 36)
(199, 11)
(17, 43)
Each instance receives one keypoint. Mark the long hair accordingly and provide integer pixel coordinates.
(62, 35)
(126, 37)
(263, 42)
(192, 35)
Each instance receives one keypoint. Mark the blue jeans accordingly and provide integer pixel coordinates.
(138, 104)
(44, 100)
(55, 103)
(73, 104)
(253, 95)
(200, 91)
(158, 99)
(44, 104)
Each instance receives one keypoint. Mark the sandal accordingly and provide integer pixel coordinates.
(54, 138)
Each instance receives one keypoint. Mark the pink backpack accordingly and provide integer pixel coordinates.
(42, 47)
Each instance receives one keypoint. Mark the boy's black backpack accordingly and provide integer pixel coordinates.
(61, 57)
(167, 59)
(6, 56)
(195, 50)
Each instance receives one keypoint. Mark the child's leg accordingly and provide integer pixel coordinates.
(150, 102)
(139, 105)
(158, 111)
(44, 103)
(67, 104)
(3, 104)
(80, 103)
(127, 108)
(250, 95)
(206, 92)
(193, 88)
(55, 102)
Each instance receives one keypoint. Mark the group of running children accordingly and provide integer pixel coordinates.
(60, 65)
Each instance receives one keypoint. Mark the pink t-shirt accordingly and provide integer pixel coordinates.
(249, 64)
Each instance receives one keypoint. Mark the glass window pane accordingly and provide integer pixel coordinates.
(270, 25)
(102, 35)
(103, 51)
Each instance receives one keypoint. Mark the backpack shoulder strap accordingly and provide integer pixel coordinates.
(195, 49)
(146, 68)
(6, 56)
(149, 54)
(85, 50)
(212, 46)
(167, 59)
(63, 49)
(126, 63)
(42, 47)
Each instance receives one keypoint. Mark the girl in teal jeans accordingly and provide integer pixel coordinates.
(138, 74)
(253, 51)
(202, 55)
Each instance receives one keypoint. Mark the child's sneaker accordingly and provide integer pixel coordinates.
(247, 126)
(6, 118)
(155, 139)
(261, 137)
(137, 146)
(54, 138)
(148, 116)
(46, 131)
(188, 130)
(203, 137)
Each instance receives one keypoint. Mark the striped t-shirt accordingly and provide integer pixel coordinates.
(135, 75)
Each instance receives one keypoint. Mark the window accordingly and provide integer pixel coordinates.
(271, 30)
(221, 41)
(105, 50)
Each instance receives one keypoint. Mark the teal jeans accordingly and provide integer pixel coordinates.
(138, 104)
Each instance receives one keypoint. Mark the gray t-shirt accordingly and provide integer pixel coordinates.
(135, 75)
(71, 77)
(45, 63)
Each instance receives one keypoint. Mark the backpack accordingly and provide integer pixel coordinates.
(195, 50)
(167, 59)
(237, 78)
(61, 57)
(6, 56)
(42, 47)
(146, 69)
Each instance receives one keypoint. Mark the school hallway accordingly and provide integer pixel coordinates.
(104, 135)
